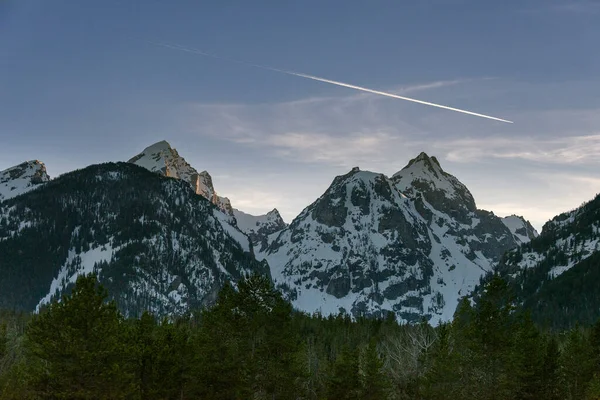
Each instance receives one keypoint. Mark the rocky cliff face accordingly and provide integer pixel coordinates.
(163, 159)
(449, 209)
(22, 178)
(412, 245)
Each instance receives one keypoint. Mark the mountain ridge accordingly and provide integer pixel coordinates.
(154, 243)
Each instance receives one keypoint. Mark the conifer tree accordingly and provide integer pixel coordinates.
(526, 363)
(344, 382)
(577, 364)
(551, 370)
(3, 340)
(375, 384)
(443, 372)
(76, 345)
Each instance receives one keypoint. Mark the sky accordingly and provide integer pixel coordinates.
(81, 84)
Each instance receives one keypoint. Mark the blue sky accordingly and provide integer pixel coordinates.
(79, 84)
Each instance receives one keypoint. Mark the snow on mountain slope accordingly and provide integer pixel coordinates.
(412, 245)
(259, 227)
(163, 159)
(521, 229)
(423, 174)
(565, 241)
(360, 247)
(154, 244)
(446, 202)
(22, 178)
(555, 275)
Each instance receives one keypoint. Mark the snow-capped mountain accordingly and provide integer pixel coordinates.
(556, 274)
(154, 243)
(411, 245)
(163, 159)
(259, 227)
(22, 178)
(450, 209)
(521, 229)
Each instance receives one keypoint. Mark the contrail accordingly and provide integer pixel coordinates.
(316, 78)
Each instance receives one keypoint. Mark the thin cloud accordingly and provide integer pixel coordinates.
(566, 150)
(332, 134)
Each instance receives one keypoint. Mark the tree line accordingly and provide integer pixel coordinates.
(251, 344)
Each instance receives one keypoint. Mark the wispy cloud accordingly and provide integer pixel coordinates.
(565, 150)
(509, 169)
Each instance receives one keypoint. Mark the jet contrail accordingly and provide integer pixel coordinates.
(316, 78)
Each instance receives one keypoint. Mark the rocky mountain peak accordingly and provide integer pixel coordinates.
(360, 247)
(430, 162)
(521, 229)
(22, 178)
(274, 213)
(423, 175)
(163, 159)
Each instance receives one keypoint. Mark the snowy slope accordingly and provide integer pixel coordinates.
(424, 174)
(163, 159)
(412, 245)
(555, 275)
(154, 244)
(259, 227)
(521, 229)
(565, 241)
(22, 178)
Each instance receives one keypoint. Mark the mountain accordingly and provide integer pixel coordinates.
(154, 243)
(22, 178)
(412, 244)
(259, 227)
(446, 203)
(556, 274)
(163, 159)
(521, 229)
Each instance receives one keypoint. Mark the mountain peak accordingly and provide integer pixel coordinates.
(424, 174)
(424, 161)
(162, 145)
(165, 160)
(22, 178)
(274, 212)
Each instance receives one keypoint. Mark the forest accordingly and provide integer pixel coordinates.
(251, 344)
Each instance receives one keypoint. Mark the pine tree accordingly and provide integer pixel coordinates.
(443, 373)
(551, 370)
(526, 362)
(3, 341)
(577, 364)
(343, 382)
(77, 346)
(144, 350)
(375, 384)
(248, 346)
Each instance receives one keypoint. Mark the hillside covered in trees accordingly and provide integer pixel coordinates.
(252, 345)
